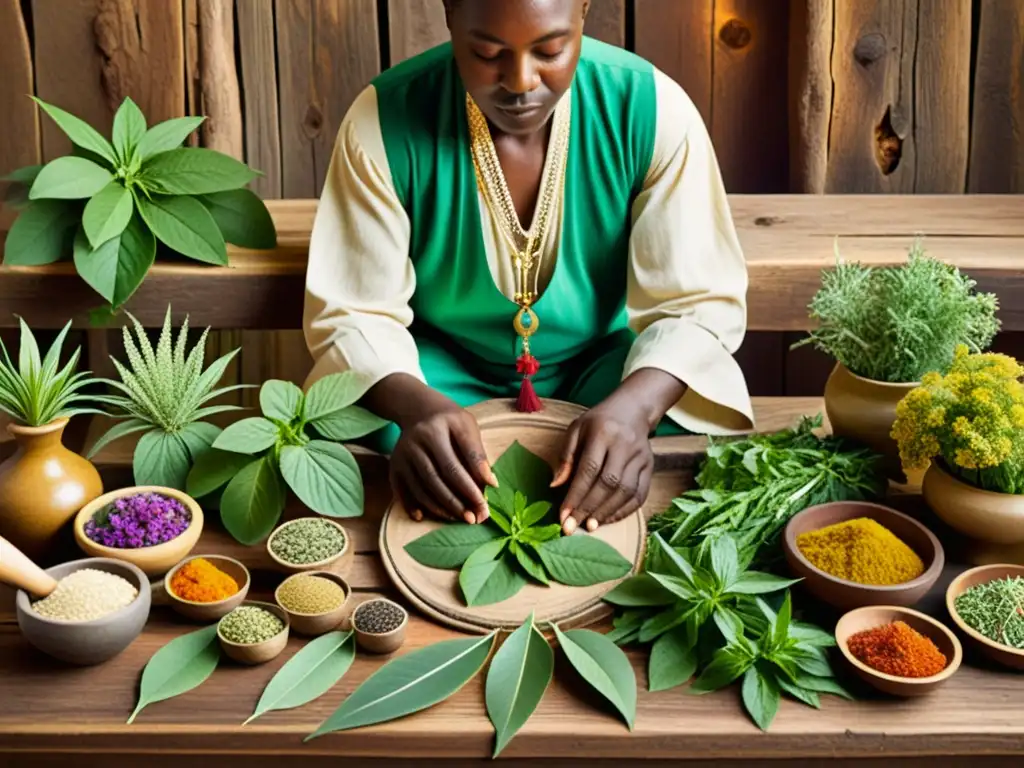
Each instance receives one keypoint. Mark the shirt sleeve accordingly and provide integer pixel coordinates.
(687, 281)
(359, 278)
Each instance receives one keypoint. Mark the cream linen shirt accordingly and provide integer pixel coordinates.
(686, 278)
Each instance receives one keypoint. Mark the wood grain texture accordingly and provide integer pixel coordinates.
(997, 135)
(19, 118)
(221, 99)
(257, 51)
(810, 84)
(318, 82)
(606, 21)
(414, 26)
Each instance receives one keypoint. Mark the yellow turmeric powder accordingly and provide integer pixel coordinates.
(200, 581)
(861, 550)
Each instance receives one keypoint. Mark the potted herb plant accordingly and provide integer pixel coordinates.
(109, 203)
(967, 428)
(886, 327)
(43, 484)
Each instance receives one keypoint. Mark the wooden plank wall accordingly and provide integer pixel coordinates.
(814, 96)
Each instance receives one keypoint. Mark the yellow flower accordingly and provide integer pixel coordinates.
(1017, 416)
(965, 458)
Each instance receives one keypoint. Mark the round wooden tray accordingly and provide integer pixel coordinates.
(436, 592)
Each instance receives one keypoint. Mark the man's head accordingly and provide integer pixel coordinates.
(516, 57)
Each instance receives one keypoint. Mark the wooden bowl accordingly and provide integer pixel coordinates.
(873, 616)
(339, 563)
(1010, 657)
(847, 595)
(387, 642)
(317, 623)
(155, 560)
(257, 653)
(206, 612)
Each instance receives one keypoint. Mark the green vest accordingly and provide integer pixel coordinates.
(460, 315)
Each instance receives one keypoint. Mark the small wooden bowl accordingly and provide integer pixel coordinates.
(317, 623)
(1010, 657)
(155, 560)
(847, 595)
(381, 643)
(258, 653)
(873, 616)
(339, 563)
(205, 612)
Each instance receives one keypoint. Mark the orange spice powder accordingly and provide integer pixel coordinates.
(898, 649)
(200, 581)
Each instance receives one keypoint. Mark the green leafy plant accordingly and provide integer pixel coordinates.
(254, 460)
(520, 540)
(181, 665)
(37, 391)
(108, 204)
(895, 324)
(166, 396)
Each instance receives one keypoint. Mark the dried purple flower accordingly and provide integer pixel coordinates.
(139, 520)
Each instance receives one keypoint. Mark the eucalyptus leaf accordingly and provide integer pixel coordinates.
(213, 470)
(516, 680)
(350, 423)
(194, 171)
(250, 436)
(80, 132)
(107, 213)
(325, 477)
(129, 128)
(410, 683)
(161, 458)
(760, 696)
(673, 660)
(242, 217)
(582, 560)
(604, 666)
(281, 400)
(118, 266)
(69, 178)
(166, 136)
(184, 225)
(39, 235)
(639, 590)
(309, 674)
(450, 545)
(179, 666)
(252, 502)
(485, 580)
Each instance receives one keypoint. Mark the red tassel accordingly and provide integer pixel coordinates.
(527, 402)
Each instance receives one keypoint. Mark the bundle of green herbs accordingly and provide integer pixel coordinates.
(749, 488)
(895, 324)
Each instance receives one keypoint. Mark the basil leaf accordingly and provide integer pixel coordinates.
(534, 513)
(194, 171)
(332, 393)
(760, 697)
(822, 685)
(681, 589)
(516, 680)
(410, 683)
(540, 534)
(813, 661)
(212, 470)
(673, 559)
(40, 234)
(450, 545)
(252, 502)
(726, 665)
(640, 590)
(518, 469)
(673, 660)
(728, 623)
(107, 213)
(161, 458)
(181, 665)
(810, 698)
(116, 269)
(242, 217)
(199, 437)
(80, 132)
(281, 400)
(166, 136)
(757, 583)
(809, 635)
(485, 580)
(604, 666)
(325, 477)
(530, 564)
(500, 520)
(69, 178)
(250, 436)
(781, 631)
(662, 622)
(582, 560)
(725, 561)
(185, 226)
(129, 128)
(350, 423)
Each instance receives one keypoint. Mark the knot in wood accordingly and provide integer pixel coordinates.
(735, 34)
(766, 221)
(313, 122)
(869, 48)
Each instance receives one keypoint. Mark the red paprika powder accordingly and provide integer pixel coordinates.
(897, 649)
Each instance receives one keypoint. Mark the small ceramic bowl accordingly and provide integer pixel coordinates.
(155, 560)
(1010, 657)
(873, 616)
(388, 642)
(338, 563)
(257, 653)
(313, 624)
(204, 612)
(847, 595)
(87, 642)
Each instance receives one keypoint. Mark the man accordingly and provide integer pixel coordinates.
(528, 212)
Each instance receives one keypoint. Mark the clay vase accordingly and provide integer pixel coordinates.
(42, 487)
(864, 410)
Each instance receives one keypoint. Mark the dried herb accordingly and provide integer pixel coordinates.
(516, 680)
(181, 665)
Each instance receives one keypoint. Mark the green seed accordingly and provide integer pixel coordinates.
(306, 541)
(250, 624)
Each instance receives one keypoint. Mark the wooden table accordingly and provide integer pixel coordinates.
(51, 713)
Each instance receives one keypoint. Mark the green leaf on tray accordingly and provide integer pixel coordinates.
(194, 171)
(40, 234)
(760, 696)
(530, 563)
(582, 560)
(184, 225)
(213, 470)
(107, 213)
(640, 590)
(280, 400)
(161, 458)
(516, 680)
(519, 469)
(604, 666)
(487, 576)
(250, 436)
(166, 136)
(80, 132)
(534, 513)
(252, 502)
(179, 666)
(673, 660)
(242, 217)
(118, 266)
(450, 545)
(410, 683)
(309, 674)
(69, 178)
(325, 477)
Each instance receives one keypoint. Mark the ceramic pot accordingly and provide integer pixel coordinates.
(42, 487)
(864, 410)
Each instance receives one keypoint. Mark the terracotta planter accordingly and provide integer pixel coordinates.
(42, 486)
(864, 410)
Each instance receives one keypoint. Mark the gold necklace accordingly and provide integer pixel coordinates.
(527, 246)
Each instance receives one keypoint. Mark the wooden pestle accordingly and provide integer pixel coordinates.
(18, 571)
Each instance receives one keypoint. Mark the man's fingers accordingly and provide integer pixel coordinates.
(586, 475)
(572, 439)
(405, 499)
(626, 493)
(467, 440)
(429, 469)
(413, 477)
(607, 488)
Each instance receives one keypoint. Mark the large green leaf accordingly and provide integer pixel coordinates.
(194, 171)
(348, 424)
(760, 696)
(129, 128)
(325, 477)
(181, 665)
(116, 432)
(242, 217)
(757, 583)
(80, 132)
(69, 178)
(213, 470)
(582, 560)
(199, 437)
(488, 577)
(161, 458)
(251, 436)
(410, 683)
(107, 213)
(166, 136)
(529, 563)
(604, 665)
(252, 502)
(673, 660)
(332, 393)
(118, 266)
(640, 590)
(519, 469)
(184, 225)
(450, 545)
(280, 400)
(519, 674)
(40, 234)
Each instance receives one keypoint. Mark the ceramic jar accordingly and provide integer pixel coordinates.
(42, 487)
(864, 410)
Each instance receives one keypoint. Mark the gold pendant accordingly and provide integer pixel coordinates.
(526, 322)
